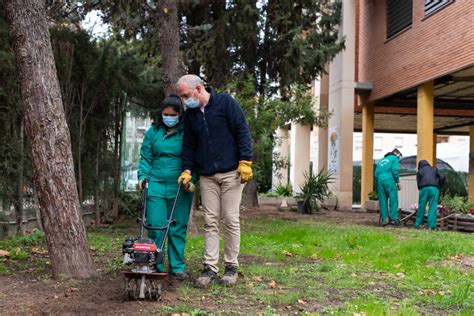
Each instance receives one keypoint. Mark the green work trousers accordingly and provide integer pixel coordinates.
(428, 195)
(387, 190)
(158, 212)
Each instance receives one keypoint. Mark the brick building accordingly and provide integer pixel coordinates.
(408, 67)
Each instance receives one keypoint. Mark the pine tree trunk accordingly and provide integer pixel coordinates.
(169, 39)
(48, 134)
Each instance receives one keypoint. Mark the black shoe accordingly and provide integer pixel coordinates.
(230, 276)
(206, 278)
(394, 223)
(180, 276)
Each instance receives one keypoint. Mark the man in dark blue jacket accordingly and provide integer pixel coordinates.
(216, 142)
(429, 180)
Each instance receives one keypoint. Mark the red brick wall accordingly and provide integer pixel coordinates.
(431, 47)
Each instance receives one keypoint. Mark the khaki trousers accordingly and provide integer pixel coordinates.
(221, 195)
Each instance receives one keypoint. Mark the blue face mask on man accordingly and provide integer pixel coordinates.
(170, 121)
(191, 103)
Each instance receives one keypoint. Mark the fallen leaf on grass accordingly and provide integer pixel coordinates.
(287, 253)
(256, 278)
(4, 253)
(301, 302)
(426, 292)
(274, 285)
(39, 250)
(400, 275)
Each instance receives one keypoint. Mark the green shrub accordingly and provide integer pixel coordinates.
(373, 196)
(315, 189)
(455, 185)
(284, 189)
(456, 204)
(131, 203)
(356, 183)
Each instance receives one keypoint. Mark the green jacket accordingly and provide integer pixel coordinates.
(388, 168)
(160, 161)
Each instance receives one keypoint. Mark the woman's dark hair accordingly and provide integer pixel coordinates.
(174, 102)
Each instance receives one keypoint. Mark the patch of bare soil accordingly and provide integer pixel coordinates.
(32, 293)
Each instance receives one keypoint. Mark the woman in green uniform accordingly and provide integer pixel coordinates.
(160, 161)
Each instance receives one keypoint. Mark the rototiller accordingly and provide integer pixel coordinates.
(144, 281)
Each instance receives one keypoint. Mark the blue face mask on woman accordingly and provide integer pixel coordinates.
(170, 121)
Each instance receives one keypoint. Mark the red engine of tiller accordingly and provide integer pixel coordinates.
(141, 251)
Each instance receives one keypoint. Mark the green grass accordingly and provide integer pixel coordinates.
(338, 269)
(312, 266)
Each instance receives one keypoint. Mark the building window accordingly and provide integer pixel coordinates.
(358, 143)
(378, 143)
(398, 142)
(399, 16)
(431, 6)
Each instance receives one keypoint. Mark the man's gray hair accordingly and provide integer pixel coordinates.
(190, 80)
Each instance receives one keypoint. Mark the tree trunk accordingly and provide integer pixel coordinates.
(79, 146)
(119, 123)
(19, 197)
(250, 197)
(116, 172)
(97, 184)
(169, 40)
(105, 175)
(48, 134)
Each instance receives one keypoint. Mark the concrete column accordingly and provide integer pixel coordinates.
(323, 131)
(300, 154)
(424, 118)
(471, 163)
(367, 174)
(341, 103)
(435, 142)
(282, 148)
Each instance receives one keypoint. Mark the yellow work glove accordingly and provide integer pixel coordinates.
(185, 177)
(140, 185)
(190, 187)
(245, 171)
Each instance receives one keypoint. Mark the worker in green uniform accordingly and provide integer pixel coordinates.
(429, 180)
(160, 161)
(388, 184)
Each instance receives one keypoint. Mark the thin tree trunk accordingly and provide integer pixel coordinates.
(79, 146)
(97, 184)
(250, 197)
(119, 123)
(116, 170)
(105, 175)
(48, 134)
(169, 38)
